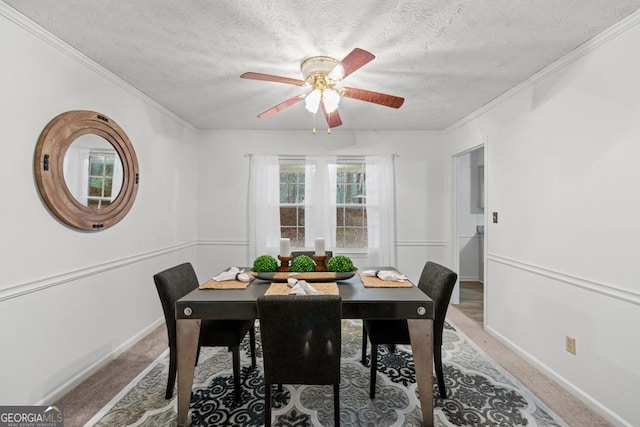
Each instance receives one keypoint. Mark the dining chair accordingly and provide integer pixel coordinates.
(174, 283)
(301, 343)
(437, 282)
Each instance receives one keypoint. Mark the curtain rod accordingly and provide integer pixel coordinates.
(301, 156)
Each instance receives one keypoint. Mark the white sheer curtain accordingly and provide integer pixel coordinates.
(264, 206)
(320, 200)
(380, 184)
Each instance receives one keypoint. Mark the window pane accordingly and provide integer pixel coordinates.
(301, 217)
(354, 216)
(299, 242)
(288, 216)
(95, 187)
(288, 232)
(95, 165)
(340, 217)
(354, 237)
(109, 166)
(93, 203)
(340, 242)
(107, 187)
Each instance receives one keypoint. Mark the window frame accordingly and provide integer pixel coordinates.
(300, 161)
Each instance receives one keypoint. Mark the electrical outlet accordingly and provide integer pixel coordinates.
(570, 344)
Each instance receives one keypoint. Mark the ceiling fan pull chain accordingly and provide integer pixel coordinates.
(314, 124)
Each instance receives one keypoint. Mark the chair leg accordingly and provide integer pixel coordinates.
(171, 381)
(267, 405)
(235, 351)
(374, 369)
(252, 341)
(198, 355)
(364, 345)
(336, 405)
(437, 359)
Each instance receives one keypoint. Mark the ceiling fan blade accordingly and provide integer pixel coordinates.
(356, 59)
(374, 97)
(288, 103)
(333, 119)
(272, 78)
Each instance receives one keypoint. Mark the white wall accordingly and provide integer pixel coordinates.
(563, 175)
(70, 300)
(223, 173)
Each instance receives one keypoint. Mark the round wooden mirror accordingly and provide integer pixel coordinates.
(86, 170)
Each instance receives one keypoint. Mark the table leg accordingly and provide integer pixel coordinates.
(421, 334)
(188, 334)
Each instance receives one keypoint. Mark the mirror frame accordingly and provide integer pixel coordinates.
(52, 146)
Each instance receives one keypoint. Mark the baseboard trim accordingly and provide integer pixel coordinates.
(579, 282)
(77, 379)
(60, 279)
(564, 383)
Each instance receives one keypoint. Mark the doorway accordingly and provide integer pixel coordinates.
(470, 232)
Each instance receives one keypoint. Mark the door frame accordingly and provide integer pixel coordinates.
(455, 245)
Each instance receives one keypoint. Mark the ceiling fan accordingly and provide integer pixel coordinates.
(321, 74)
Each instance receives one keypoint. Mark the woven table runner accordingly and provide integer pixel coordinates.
(227, 284)
(376, 282)
(278, 288)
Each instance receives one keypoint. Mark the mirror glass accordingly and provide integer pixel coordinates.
(93, 171)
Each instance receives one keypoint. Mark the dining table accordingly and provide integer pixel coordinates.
(358, 302)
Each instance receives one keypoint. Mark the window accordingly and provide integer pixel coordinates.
(101, 167)
(351, 220)
(351, 213)
(292, 202)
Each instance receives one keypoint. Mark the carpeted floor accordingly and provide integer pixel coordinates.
(91, 396)
(480, 392)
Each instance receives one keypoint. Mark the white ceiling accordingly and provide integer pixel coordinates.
(447, 58)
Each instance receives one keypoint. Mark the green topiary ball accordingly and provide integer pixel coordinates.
(303, 264)
(265, 264)
(340, 264)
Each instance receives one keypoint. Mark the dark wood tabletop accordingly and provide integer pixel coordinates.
(358, 302)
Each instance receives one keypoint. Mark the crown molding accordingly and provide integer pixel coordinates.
(22, 21)
(552, 68)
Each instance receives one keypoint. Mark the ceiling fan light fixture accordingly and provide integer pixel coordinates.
(331, 99)
(312, 100)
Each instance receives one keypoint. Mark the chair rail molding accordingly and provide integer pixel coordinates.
(609, 290)
(421, 243)
(223, 242)
(60, 279)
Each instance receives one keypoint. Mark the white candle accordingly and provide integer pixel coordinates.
(319, 246)
(285, 247)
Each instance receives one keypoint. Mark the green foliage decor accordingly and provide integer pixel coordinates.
(303, 264)
(340, 264)
(265, 264)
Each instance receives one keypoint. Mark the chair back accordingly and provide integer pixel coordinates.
(437, 282)
(301, 338)
(172, 284)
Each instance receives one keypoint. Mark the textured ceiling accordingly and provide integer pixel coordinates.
(447, 58)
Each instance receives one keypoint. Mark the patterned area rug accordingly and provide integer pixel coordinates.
(481, 393)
